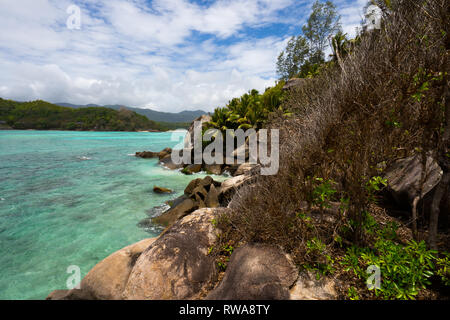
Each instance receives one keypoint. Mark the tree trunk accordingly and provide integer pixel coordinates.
(444, 163)
(434, 215)
(414, 217)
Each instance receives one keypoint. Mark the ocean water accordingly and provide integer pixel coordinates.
(73, 198)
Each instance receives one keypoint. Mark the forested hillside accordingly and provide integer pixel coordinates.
(42, 115)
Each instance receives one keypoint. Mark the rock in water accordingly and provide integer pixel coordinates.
(167, 162)
(192, 168)
(256, 272)
(147, 154)
(177, 265)
(164, 153)
(157, 189)
(175, 213)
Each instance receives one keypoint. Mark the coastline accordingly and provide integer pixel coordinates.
(203, 199)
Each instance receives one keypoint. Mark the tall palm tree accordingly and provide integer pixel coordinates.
(339, 44)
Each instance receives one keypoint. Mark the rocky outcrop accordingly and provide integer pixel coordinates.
(256, 272)
(147, 154)
(177, 264)
(151, 154)
(107, 280)
(308, 287)
(160, 190)
(294, 83)
(200, 193)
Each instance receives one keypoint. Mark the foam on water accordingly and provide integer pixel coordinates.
(62, 210)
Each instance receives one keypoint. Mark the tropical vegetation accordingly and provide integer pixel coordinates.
(251, 110)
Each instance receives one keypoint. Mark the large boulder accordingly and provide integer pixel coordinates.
(107, 279)
(308, 287)
(404, 177)
(256, 272)
(177, 264)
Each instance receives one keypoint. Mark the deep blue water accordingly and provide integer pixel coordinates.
(73, 198)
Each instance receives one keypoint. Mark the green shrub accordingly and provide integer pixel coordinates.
(405, 270)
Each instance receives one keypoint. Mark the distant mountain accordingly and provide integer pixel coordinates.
(184, 116)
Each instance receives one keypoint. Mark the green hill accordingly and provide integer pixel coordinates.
(42, 115)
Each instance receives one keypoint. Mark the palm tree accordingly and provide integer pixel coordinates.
(219, 118)
(339, 44)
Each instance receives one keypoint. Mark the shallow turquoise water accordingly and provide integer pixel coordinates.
(73, 198)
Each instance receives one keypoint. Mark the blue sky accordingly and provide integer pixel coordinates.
(168, 55)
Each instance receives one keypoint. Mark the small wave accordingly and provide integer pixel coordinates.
(131, 154)
(2, 199)
(84, 158)
(158, 210)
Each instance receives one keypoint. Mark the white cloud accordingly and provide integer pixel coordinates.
(173, 56)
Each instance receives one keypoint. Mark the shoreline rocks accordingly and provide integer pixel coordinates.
(199, 193)
(177, 264)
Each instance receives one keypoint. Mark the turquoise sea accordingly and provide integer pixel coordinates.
(73, 198)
